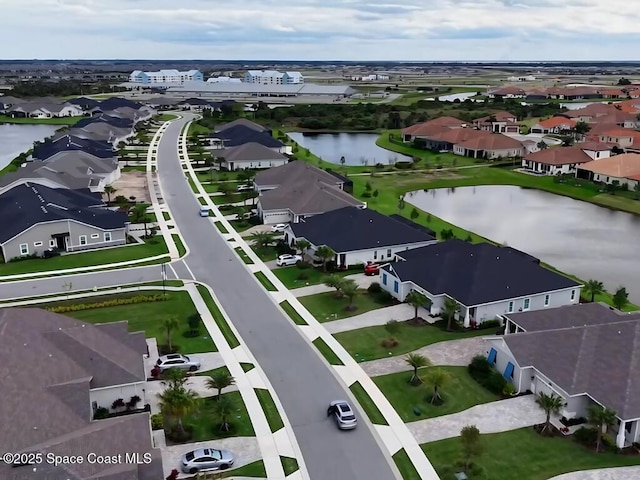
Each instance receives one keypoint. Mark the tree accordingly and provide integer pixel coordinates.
(551, 404)
(414, 214)
(417, 300)
(246, 176)
(139, 215)
(262, 239)
(450, 309)
(593, 288)
(169, 325)
(342, 160)
(325, 254)
(220, 379)
(436, 378)
(109, 190)
(416, 361)
(601, 418)
(334, 281)
(302, 245)
(175, 403)
(223, 409)
(620, 298)
(349, 289)
(542, 145)
(392, 327)
(624, 81)
(471, 446)
(581, 128)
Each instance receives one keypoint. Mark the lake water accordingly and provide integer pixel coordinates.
(576, 237)
(357, 148)
(15, 139)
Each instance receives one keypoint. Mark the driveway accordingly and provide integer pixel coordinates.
(372, 318)
(362, 280)
(494, 417)
(618, 473)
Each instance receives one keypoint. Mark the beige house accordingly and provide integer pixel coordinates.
(624, 169)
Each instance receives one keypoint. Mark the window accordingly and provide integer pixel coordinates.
(52, 243)
(107, 236)
(388, 253)
(83, 239)
(95, 235)
(546, 300)
(24, 249)
(395, 286)
(37, 244)
(573, 294)
(510, 308)
(526, 304)
(384, 278)
(375, 254)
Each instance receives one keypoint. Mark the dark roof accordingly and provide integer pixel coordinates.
(343, 178)
(84, 102)
(241, 134)
(413, 224)
(49, 410)
(26, 205)
(244, 122)
(600, 360)
(568, 316)
(116, 102)
(48, 148)
(350, 228)
(104, 118)
(250, 152)
(477, 274)
(195, 101)
(294, 172)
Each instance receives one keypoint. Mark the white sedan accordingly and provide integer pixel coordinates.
(287, 259)
(280, 227)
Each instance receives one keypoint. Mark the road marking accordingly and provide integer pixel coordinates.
(173, 270)
(190, 272)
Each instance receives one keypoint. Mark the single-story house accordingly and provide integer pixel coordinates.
(624, 169)
(104, 132)
(573, 93)
(499, 122)
(37, 218)
(241, 134)
(585, 354)
(50, 147)
(431, 127)
(486, 280)
(357, 235)
(250, 155)
(554, 125)
(244, 122)
(294, 172)
(619, 118)
(39, 109)
(74, 368)
(563, 160)
(489, 145)
(507, 92)
(590, 113)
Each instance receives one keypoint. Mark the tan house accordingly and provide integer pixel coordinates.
(490, 146)
(563, 160)
(431, 127)
(623, 169)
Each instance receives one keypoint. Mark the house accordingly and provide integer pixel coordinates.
(50, 147)
(241, 134)
(113, 103)
(554, 125)
(573, 93)
(536, 94)
(293, 78)
(102, 132)
(459, 270)
(39, 109)
(118, 122)
(294, 172)
(357, 235)
(499, 122)
(624, 138)
(250, 155)
(590, 113)
(585, 354)
(507, 92)
(612, 93)
(620, 169)
(618, 118)
(431, 127)
(171, 76)
(444, 139)
(564, 160)
(87, 104)
(489, 146)
(74, 368)
(37, 218)
(244, 122)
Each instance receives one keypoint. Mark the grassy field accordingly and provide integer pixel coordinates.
(459, 393)
(218, 317)
(149, 317)
(367, 404)
(270, 410)
(327, 307)
(365, 344)
(197, 129)
(205, 425)
(522, 454)
(41, 121)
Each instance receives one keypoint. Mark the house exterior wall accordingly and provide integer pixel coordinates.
(244, 164)
(622, 141)
(41, 233)
(104, 397)
(631, 184)
(504, 153)
(598, 155)
(381, 254)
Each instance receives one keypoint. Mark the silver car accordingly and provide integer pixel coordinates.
(343, 414)
(206, 459)
(177, 360)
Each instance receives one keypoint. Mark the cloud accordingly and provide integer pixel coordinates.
(320, 29)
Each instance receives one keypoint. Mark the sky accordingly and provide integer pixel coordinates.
(420, 30)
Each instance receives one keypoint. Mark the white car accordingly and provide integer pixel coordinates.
(280, 227)
(287, 259)
(244, 188)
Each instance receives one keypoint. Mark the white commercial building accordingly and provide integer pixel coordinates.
(273, 77)
(165, 76)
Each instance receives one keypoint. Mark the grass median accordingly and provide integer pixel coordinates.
(224, 327)
(367, 404)
(270, 410)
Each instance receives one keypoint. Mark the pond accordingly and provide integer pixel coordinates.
(576, 237)
(15, 139)
(356, 148)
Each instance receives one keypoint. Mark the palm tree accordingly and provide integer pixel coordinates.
(219, 380)
(302, 245)
(601, 418)
(417, 300)
(109, 190)
(436, 378)
(593, 288)
(262, 239)
(551, 404)
(416, 361)
(325, 254)
(176, 403)
(140, 215)
(170, 324)
(334, 281)
(223, 409)
(451, 307)
(349, 289)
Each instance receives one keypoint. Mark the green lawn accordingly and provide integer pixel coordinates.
(326, 352)
(255, 470)
(205, 425)
(154, 247)
(232, 340)
(178, 241)
(165, 117)
(366, 343)
(149, 317)
(326, 307)
(241, 253)
(270, 410)
(405, 465)
(460, 393)
(367, 404)
(294, 277)
(42, 121)
(265, 254)
(266, 283)
(240, 225)
(289, 465)
(221, 227)
(293, 313)
(524, 455)
(197, 129)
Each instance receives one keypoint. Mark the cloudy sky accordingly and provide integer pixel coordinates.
(321, 29)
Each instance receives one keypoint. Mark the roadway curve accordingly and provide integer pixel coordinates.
(302, 380)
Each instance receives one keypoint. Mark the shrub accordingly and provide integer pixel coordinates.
(487, 324)
(389, 343)
(379, 166)
(133, 401)
(366, 194)
(194, 321)
(374, 288)
(481, 371)
(586, 435)
(384, 297)
(157, 422)
(509, 389)
(100, 413)
(303, 265)
(23, 257)
(303, 276)
(191, 333)
(108, 303)
(479, 365)
(119, 403)
(403, 165)
(495, 382)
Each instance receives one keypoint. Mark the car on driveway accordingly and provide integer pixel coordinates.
(177, 360)
(279, 227)
(288, 259)
(343, 414)
(206, 459)
(371, 269)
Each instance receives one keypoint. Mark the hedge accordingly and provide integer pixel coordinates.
(108, 303)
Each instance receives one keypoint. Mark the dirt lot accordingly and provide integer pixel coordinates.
(133, 183)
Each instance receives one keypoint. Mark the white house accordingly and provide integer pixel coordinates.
(461, 271)
(273, 77)
(581, 353)
(564, 160)
(359, 235)
(165, 76)
(621, 169)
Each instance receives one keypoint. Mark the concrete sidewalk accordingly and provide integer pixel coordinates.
(494, 417)
(380, 316)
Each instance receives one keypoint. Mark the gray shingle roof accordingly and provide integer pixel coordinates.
(251, 152)
(244, 122)
(292, 173)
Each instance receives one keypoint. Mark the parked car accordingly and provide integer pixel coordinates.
(280, 227)
(177, 360)
(343, 414)
(204, 211)
(206, 459)
(371, 269)
(288, 259)
(244, 188)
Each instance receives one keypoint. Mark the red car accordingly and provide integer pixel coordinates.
(372, 269)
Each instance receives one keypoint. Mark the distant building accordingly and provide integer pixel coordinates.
(223, 79)
(524, 78)
(165, 76)
(273, 77)
(370, 78)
